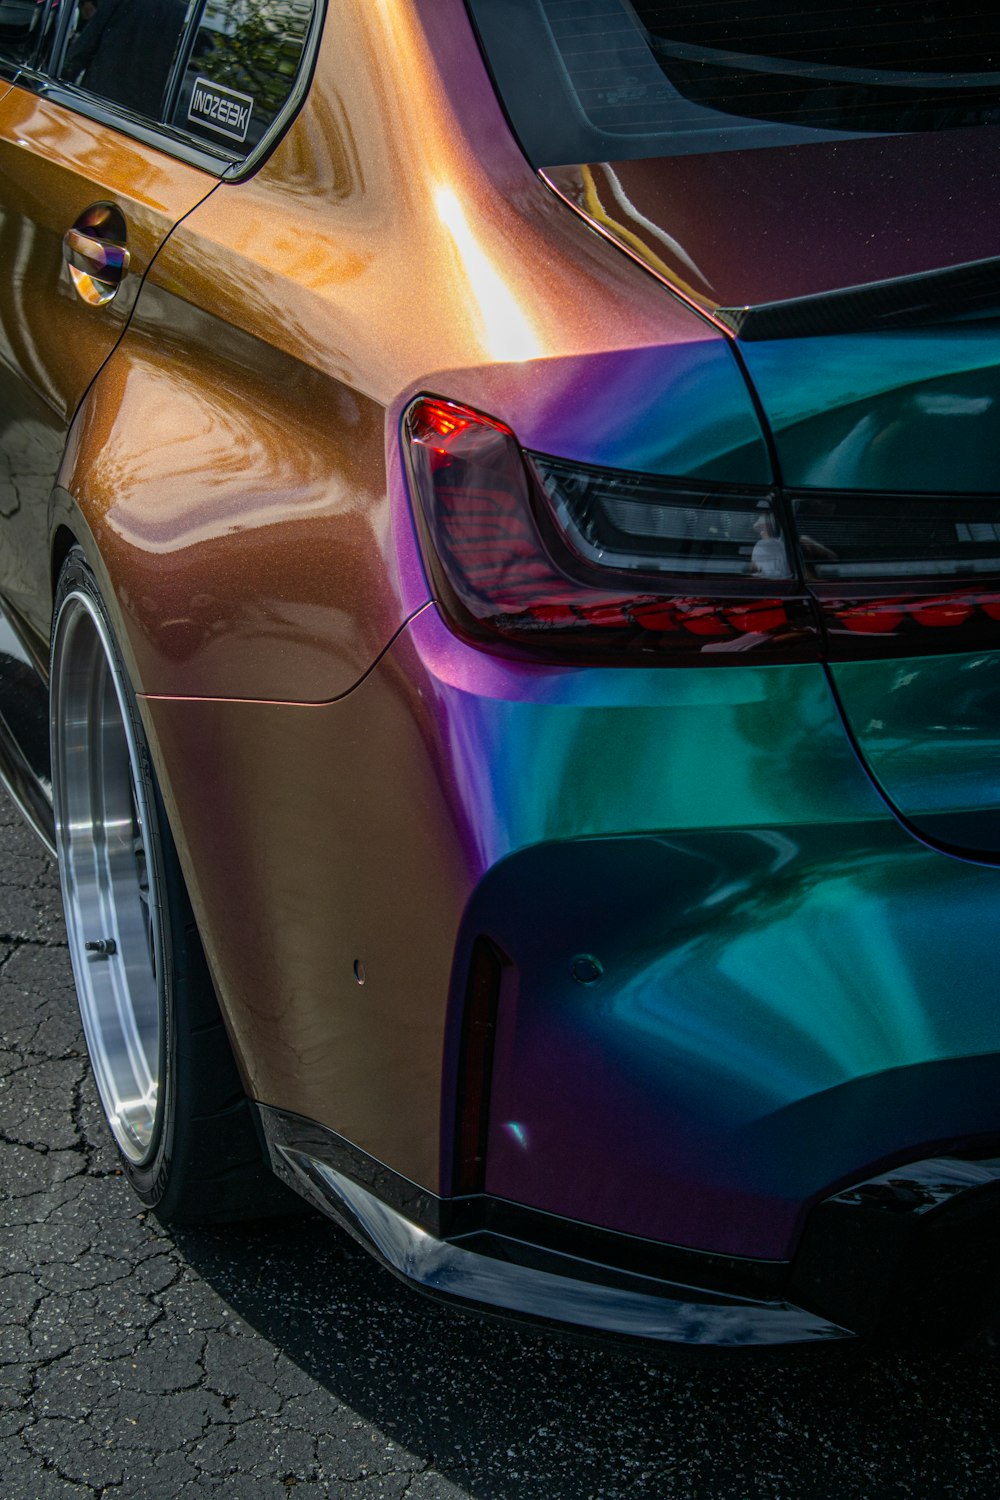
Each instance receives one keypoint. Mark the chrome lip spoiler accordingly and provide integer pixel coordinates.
(648, 1311)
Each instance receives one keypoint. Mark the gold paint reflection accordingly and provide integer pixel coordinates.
(596, 210)
(507, 334)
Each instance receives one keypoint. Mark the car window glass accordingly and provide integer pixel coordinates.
(123, 50)
(612, 80)
(241, 70)
(20, 27)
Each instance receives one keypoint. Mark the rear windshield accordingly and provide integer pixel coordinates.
(612, 80)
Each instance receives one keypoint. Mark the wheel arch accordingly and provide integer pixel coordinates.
(63, 541)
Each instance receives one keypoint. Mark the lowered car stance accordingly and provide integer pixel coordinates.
(500, 624)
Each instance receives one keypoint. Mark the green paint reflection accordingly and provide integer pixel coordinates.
(914, 409)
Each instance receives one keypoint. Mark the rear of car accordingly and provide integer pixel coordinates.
(797, 180)
(547, 502)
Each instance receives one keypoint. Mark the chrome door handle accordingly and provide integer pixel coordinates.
(97, 266)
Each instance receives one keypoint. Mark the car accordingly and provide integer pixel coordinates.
(500, 599)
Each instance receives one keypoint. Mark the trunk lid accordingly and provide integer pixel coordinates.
(862, 282)
(748, 228)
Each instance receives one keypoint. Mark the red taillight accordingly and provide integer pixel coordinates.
(582, 563)
(898, 574)
(575, 561)
(912, 624)
(443, 425)
(942, 614)
(870, 617)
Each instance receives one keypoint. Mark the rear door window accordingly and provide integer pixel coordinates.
(613, 80)
(218, 72)
(20, 29)
(242, 66)
(123, 51)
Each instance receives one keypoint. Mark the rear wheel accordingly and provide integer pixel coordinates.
(186, 1132)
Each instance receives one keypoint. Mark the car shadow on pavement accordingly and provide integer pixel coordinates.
(509, 1414)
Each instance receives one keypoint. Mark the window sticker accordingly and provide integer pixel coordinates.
(241, 69)
(221, 109)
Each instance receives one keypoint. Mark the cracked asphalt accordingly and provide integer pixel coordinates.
(277, 1357)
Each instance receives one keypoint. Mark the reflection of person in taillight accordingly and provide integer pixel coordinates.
(768, 559)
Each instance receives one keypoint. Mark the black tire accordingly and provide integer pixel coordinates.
(194, 1151)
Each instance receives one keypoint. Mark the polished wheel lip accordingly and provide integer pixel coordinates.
(108, 879)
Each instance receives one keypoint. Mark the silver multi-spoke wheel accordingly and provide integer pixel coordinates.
(108, 882)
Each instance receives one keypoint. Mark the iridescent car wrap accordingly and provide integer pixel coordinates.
(792, 987)
(647, 972)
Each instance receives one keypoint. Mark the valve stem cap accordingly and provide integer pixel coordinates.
(102, 947)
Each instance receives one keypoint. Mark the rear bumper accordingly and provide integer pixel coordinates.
(907, 1258)
(794, 994)
(496, 1273)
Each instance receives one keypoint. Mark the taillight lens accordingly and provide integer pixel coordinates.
(913, 624)
(638, 523)
(580, 562)
(574, 560)
(856, 537)
(901, 574)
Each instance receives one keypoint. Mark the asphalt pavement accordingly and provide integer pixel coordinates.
(275, 1358)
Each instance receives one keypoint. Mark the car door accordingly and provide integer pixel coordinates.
(91, 183)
